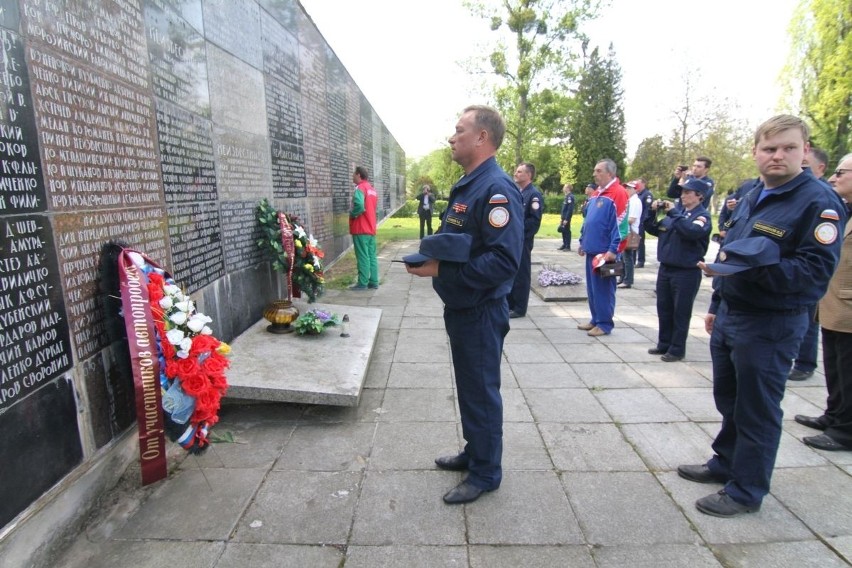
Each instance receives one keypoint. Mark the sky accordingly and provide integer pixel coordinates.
(406, 58)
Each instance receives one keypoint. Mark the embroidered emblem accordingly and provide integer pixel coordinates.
(498, 198)
(598, 203)
(453, 220)
(830, 214)
(498, 217)
(700, 221)
(826, 233)
(535, 205)
(722, 256)
(771, 230)
(459, 207)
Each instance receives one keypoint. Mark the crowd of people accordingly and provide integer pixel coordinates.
(781, 237)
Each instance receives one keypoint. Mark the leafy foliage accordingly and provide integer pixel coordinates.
(315, 321)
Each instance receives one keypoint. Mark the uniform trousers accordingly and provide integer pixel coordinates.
(601, 292)
(629, 259)
(806, 360)
(425, 219)
(676, 291)
(476, 341)
(751, 354)
(837, 359)
(640, 252)
(566, 235)
(519, 297)
(368, 261)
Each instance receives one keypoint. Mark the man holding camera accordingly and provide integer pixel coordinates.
(684, 234)
(700, 167)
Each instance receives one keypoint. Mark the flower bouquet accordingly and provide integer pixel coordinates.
(293, 251)
(315, 321)
(550, 276)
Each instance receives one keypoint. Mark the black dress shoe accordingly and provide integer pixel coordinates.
(513, 314)
(623, 285)
(797, 375)
(464, 492)
(453, 463)
(640, 265)
(817, 423)
(722, 505)
(669, 358)
(700, 474)
(825, 442)
(655, 351)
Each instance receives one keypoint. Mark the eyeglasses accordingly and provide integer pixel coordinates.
(839, 172)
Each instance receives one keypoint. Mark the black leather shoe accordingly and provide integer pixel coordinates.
(513, 314)
(797, 375)
(623, 285)
(655, 351)
(817, 423)
(825, 442)
(722, 505)
(669, 358)
(700, 474)
(452, 463)
(464, 492)
(640, 265)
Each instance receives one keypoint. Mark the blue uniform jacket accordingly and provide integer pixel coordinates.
(486, 204)
(675, 188)
(533, 207)
(684, 236)
(807, 222)
(599, 232)
(568, 208)
(742, 191)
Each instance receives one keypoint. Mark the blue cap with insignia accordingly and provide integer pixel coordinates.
(746, 253)
(452, 247)
(696, 185)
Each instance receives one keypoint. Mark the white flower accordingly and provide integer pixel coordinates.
(166, 303)
(196, 322)
(184, 306)
(172, 290)
(312, 241)
(186, 344)
(178, 318)
(183, 354)
(206, 331)
(299, 231)
(175, 336)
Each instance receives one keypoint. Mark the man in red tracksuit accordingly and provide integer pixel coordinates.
(362, 227)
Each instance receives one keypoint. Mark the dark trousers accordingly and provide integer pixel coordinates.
(566, 235)
(425, 220)
(806, 360)
(751, 355)
(640, 252)
(837, 360)
(676, 291)
(601, 292)
(519, 297)
(476, 341)
(628, 257)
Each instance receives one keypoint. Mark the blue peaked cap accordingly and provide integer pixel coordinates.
(746, 253)
(452, 247)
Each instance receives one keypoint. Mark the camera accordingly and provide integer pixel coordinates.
(716, 238)
(683, 168)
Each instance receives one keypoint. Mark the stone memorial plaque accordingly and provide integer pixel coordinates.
(285, 12)
(102, 34)
(341, 182)
(21, 180)
(242, 165)
(196, 241)
(79, 239)
(283, 112)
(189, 10)
(34, 341)
(10, 18)
(186, 151)
(288, 170)
(235, 27)
(280, 52)
(237, 97)
(40, 444)
(240, 233)
(97, 137)
(178, 59)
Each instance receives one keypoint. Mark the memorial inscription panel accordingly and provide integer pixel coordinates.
(21, 180)
(240, 232)
(189, 10)
(242, 165)
(235, 27)
(34, 340)
(196, 242)
(186, 151)
(280, 52)
(237, 98)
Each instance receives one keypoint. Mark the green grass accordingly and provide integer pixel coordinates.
(408, 228)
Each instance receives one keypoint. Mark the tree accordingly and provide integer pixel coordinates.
(534, 68)
(819, 64)
(653, 163)
(436, 169)
(597, 129)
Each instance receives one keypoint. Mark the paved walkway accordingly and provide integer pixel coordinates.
(594, 429)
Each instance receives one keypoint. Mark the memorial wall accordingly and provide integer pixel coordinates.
(160, 124)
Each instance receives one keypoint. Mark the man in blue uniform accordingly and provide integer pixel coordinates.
(519, 297)
(699, 170)
(567, 214)
(647, 199)
(485, 204)
(684, 234)
(758, 315)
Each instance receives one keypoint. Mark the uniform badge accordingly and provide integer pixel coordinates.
(599, 203)
(498, 217)
(722, 256)
(770, 230)
(459, 207)
(830, 214)
(700, 221)
(535, 204)
(498, 198)
(826, 233)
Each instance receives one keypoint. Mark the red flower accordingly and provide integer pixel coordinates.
(216, 364)
(194, 384)
(207, 406)
(203, 344)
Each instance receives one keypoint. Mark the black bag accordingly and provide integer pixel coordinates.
(560, 228)
(612, 269)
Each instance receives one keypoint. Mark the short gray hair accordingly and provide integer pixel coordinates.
(609, 165)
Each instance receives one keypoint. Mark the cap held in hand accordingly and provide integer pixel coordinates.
(746, 253)
(452, 247)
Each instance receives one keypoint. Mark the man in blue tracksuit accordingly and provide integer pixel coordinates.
(519, 297)
(485, 204)
(684, 234)
(759, 315)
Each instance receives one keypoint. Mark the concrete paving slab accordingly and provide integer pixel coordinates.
(301, 507)
(412, 445)
(416, 336)
(523, 448)
(525, 336)
(531, 353)
(679, 375)
(609, 376)
(408, 556)
(546, 375)
(820, 496)
(266, 366)
(792, 452)
(589, 447)
(515, 407)
(668, 445)
(419, 405)
(149, 554)
(696, 403)
(421, 375)
(421, 352)
(614, 509)
(843, 546)
(369, 409)
(565, 406)
(540, 512)
(498, 556)
(657, 556)
(807, 554)
(594, 352)
(629, 406)
(241, 555)
(405, 508)
(187, 508)
(254, 446)
(378, 373)
(328, 447)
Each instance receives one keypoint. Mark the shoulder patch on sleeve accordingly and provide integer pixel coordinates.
(498, 198)
(830, 214)
(701, 221)
(535, 204)
(826, 233)
(498, 217)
